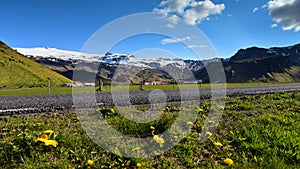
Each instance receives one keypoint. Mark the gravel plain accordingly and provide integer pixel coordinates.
(11, 105)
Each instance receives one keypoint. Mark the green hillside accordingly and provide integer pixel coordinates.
(16, 70)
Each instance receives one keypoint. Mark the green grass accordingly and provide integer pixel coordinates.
(42, 91)
(259, 131)
(118, 88)
(17, 70)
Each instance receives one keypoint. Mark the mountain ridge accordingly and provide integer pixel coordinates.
(246, 65)
(293, 52)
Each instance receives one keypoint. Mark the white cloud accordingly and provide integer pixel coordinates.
(196, 46)
(174, 19)
(174, 40)
(192, 11)
(274, 25)
(264, 6)
(200, 11)
(285, 12)
(255, 9)
(175, 5)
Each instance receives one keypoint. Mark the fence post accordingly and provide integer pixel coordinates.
(49, 85)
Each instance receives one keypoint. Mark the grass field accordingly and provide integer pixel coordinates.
(17, 70)
(255, 132)
(67, 90)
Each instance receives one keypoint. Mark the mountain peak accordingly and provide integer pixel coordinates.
(255, 52)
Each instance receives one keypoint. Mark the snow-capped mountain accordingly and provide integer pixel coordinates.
(57, 53)
(54, 54)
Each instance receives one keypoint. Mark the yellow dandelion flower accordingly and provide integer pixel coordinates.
(228, 161)
(90, 162)
(218, 144)
(158, 139)
(155, 137)
(51, 143)
(200, 110)
(112, 110)
(221, 107)
(44, 136)
(40, 139)
(47, 142)
(209, 133)
(138, 165)
(189, 123)
(48, 131)
(152, 128)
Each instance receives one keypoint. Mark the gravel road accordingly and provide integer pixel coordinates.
(47, 103)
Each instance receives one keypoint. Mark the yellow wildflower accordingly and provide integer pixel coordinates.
(176, 137)
(90, 162)
(209, 133)
(221, 107)
(138, 165)
(152, 128)
(155, 137)
(40, 139)
(218, 144)
(158, 139)
(47, 142)
(190, 123)
(112, 110)
(228, 161)
(200, 110)
(48, 131)
(44, 136)
(51, 143)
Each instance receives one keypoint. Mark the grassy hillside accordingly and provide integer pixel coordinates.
(17, 70)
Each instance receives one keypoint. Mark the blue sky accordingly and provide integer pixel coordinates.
(228, 24)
